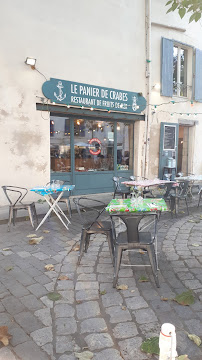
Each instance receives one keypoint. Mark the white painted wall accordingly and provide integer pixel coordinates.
(192, 37)
(99, 42)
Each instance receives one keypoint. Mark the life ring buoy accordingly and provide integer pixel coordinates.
(95, 140)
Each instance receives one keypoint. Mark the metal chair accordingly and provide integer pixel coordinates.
(15, 195)
(119, 189)
(89, 212)
(182, 195)
(64, 199)
(134, 239)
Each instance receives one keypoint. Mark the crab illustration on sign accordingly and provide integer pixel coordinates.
(60, 97)
(97, 146)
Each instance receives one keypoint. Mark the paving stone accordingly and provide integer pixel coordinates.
(150, 329)
(117, 314)
(111, 299)
(41, 256)
(28, 321)
(65, 326)
(93, 325)
(6, 354)
(67, 296)
(31, 302)
(30, 351)
(48, 348)
(136, 302)
(17, 289)
(67, 357)
(37, 289)
(98, 341)
(130, 349)
(64, 343)
(63, 310)
(87, 295)
(85, 277)
(85, 270)
(125, 330)
(87, 285)
(47, 302)
(18, 336)
(44, 316)
(194, 326)
(12, 305)
(42, 336)
(144, 316)
(87, 310)
(42, 279)
(193, 284)
(159, 305)
(65, 285)
(108, 354)
(106, 278)
(50, 287)
(24, 254)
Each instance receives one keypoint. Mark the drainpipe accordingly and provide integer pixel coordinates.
(148, 87)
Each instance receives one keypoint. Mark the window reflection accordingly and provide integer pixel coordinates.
(124, 146)
(93, 145)
(60, 144)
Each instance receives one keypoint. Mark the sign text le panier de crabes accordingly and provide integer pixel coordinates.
(90, 96)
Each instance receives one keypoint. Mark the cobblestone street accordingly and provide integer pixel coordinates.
(91, 314)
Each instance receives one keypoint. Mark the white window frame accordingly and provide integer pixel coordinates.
(180, 47)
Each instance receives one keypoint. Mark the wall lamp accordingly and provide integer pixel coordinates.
(156, 86)
(31, 62)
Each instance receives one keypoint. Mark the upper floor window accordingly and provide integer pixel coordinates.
(179, 71)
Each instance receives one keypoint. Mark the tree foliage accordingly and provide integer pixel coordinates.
(194, 7)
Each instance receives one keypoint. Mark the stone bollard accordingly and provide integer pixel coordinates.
(167, 342)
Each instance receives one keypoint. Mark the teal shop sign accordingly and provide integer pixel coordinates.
(91, 96)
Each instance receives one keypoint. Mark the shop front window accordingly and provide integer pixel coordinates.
(124, 146)
(60, 144)
(93, 145)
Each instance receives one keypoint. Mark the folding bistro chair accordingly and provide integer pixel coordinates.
(89, 211)
(119, 189)
(15, 196)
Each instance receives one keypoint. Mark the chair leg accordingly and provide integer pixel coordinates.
(117, 263)
(152, 258)
(87, 242)
(10, 217)
(30, 215)
(14, 216)
(199, 198)
(84, 234)
(69, 207)
(187, 206)
(35, 214)
(110, 240)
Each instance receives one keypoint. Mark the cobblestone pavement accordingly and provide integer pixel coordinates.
(91, 314)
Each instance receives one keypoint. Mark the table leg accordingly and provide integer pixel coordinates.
(52, 205)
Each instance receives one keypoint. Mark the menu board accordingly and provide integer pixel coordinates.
(169, 137)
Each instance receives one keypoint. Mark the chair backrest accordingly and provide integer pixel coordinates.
(117, 183)
(168, 187)
(132, 223)
(184, 187)
(18, 192)
(59, 182)
(89, 209)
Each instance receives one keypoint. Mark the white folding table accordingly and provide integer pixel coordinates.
(47, 192)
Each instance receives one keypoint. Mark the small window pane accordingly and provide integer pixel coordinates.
(124, 146)
(93, 145)
(175, 56)
(183, 73)
(60, 144)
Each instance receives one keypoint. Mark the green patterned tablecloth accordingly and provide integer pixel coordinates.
(136, 205)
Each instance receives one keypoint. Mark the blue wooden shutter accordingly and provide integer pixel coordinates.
(167, 67)
(198, 75)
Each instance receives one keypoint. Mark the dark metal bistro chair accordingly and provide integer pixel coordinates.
(66, 198)
(182, 194)
(15, 196)
(120, 189)
(89, 211)
(132, 239)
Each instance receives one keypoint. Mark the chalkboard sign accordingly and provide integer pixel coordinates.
(169, 137)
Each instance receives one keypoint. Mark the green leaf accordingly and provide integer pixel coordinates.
(182, 357)
(169, 2)
(198, 16)
(195, 339)
(186, 298)
(169, 10)
(103, 292)
(8, 268)
(192, 17)
(151, 345)
(143, 279)
(182, 12)
(54, 296)
(174, 6)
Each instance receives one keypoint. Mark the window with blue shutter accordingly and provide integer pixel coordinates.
(167, 67)
(198, 75)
